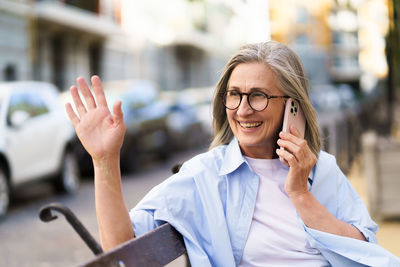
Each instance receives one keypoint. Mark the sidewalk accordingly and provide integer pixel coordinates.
(389, 230)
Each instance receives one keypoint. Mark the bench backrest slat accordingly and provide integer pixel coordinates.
(156, 248)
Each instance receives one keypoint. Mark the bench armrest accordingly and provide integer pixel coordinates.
(156, 248)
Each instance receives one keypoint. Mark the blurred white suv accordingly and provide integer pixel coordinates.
(36, 139)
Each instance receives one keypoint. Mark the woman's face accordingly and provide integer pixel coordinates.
(256, 131)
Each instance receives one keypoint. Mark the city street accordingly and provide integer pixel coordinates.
(172, 64)
(27, 241)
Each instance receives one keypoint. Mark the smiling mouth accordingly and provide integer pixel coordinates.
(250, 124)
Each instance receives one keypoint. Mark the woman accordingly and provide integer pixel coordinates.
(237, 204)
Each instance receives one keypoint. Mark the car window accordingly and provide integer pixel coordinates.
(31, 103)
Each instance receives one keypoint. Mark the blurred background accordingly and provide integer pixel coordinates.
(163, 59)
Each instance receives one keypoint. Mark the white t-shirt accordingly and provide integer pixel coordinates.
(276, 236)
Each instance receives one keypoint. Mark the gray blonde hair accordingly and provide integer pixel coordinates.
(292, 81)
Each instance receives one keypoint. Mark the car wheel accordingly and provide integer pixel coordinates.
(4, 193)
(69, 178)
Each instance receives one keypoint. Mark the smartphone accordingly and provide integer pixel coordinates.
(293, 116)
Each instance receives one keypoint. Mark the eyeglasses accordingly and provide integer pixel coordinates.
(258, 101)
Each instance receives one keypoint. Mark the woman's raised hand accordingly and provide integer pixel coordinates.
(100, 132)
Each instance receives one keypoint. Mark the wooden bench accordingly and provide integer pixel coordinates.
(156, 248)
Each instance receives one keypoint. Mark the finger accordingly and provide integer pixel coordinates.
(291, 137)
(77, 101)
(84, 89)
(289, 145)
(98, 91)
(283, 161)
(287, 156)
(71, 114)
(117, 112)
(301, 150)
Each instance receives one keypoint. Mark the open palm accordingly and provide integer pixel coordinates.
(100, 132)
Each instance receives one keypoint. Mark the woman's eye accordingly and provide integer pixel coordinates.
(233, 93)
(258, 95)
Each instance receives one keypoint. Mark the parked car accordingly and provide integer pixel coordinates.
(36, 139)
(330, 97)
(146, 137)
(190, 119)
(145, 115)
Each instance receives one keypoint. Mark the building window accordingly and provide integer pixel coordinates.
(302, 15)
(58, 61)
(10, 73)
(95, 58)
(89, 5)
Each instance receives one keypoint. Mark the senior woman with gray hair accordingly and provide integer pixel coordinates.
(259, 196)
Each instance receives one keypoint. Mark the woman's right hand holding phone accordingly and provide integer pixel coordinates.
(100, 132)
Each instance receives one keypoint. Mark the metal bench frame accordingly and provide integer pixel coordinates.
(156, 248)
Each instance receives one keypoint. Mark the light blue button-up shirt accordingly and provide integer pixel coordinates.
(211, 202)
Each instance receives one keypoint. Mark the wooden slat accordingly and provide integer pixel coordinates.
(156, 248)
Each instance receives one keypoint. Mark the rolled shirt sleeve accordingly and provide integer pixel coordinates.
(143, 221)
(352, 209)
(334, 191)
(345, 251)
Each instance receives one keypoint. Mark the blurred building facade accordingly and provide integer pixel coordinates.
(188, 45)
(76, 38)
(344, 48)
(305, 27)
(58, 40)
(14, 41)
(345, 36)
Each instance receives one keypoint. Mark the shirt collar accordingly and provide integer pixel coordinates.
(233, 158)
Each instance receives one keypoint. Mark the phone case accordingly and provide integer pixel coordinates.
(294, 116)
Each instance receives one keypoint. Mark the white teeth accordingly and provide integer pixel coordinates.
(250, 124)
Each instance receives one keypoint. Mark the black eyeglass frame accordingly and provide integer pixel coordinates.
(248, 99)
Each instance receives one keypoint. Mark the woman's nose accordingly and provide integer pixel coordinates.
(244, 107)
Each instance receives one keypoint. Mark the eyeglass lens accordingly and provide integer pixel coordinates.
(257, 100)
